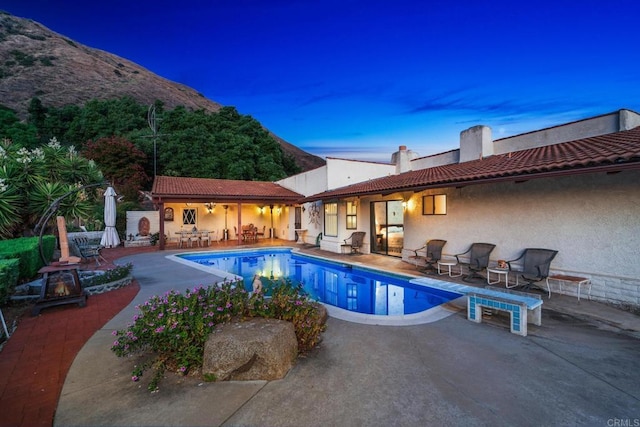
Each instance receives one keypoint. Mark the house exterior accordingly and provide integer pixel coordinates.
(572, 188)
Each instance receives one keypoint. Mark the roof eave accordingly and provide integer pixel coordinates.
(611, 168)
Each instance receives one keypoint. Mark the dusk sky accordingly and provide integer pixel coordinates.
(355, 79)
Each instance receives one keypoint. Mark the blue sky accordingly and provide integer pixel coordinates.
(356, 79)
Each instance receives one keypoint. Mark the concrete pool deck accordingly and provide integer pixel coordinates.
(579, 367)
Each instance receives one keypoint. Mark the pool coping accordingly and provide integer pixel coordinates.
(427, 316)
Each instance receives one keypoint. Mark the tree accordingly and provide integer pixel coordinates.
(121, 163)
(26, 135)
(37, 113)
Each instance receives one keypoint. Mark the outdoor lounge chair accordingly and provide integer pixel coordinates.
(431, 253)
(533, 266)
(478, 259)
(89, 250)
(354, 242)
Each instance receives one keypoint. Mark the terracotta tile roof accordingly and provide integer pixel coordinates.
(610, 152)
(169, 187)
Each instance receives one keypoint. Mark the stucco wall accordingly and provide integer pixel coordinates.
(341, 172)
(600, 125)
(133, 217)
(307, 183)
(446, 158)
(593, 220)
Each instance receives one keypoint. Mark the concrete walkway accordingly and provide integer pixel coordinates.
(573, 370)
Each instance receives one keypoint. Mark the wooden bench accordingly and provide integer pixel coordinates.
(517, 304)
(579, 281)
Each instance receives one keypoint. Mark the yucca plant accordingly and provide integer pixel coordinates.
(11, 208)
(33, 179)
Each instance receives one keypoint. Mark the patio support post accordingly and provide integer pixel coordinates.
(271, 229)
(239, 233)
(161, 221)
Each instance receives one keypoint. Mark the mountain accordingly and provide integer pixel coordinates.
(37, 62)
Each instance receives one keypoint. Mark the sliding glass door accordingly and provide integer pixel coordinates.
(387, 227)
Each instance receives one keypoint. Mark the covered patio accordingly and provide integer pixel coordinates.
(230, 211)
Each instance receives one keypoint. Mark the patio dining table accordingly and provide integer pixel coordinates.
(249, 234)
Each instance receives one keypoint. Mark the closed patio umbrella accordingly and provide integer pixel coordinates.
(110, 237)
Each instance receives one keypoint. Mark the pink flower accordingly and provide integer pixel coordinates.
(135, 378)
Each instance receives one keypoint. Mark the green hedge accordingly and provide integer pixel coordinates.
(8, 278)
(27, 251)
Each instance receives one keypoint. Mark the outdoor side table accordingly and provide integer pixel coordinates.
(60, 285)
(448, 264)
(499, 272)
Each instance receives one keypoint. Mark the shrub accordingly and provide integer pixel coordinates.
(9, 272)
(290, 303)
(173, 328)
(27, 251)
(117, 273)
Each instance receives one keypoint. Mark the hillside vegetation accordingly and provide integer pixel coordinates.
(64, 75)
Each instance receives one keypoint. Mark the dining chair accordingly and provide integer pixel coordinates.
(204, 237)
(185, 238)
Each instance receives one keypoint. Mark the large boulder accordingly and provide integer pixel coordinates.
(258, 349)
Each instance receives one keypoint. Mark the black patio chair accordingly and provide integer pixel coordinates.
(478, 259)
(356, 241)
(432, 253)
(533, 267)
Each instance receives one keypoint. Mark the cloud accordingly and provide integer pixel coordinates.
(492, 107)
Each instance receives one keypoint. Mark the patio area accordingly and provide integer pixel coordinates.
(579, 367)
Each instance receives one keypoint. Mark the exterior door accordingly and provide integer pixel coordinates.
(387, 227)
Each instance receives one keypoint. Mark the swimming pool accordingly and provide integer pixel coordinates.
(349, 288)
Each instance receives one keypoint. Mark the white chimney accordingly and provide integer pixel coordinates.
(402, 159)
(475, 143)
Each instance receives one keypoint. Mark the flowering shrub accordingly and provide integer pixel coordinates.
(290, 303)
(173, 328)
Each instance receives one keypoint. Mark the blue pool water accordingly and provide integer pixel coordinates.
(345, 286)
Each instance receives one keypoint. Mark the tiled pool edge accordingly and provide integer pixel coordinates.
(428, 316)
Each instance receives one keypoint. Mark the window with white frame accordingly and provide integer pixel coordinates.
(331, 219)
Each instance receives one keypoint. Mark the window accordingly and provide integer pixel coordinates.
(352, 297)
(189, 216)
(435, 204)
(352, 218)
(331, 219)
